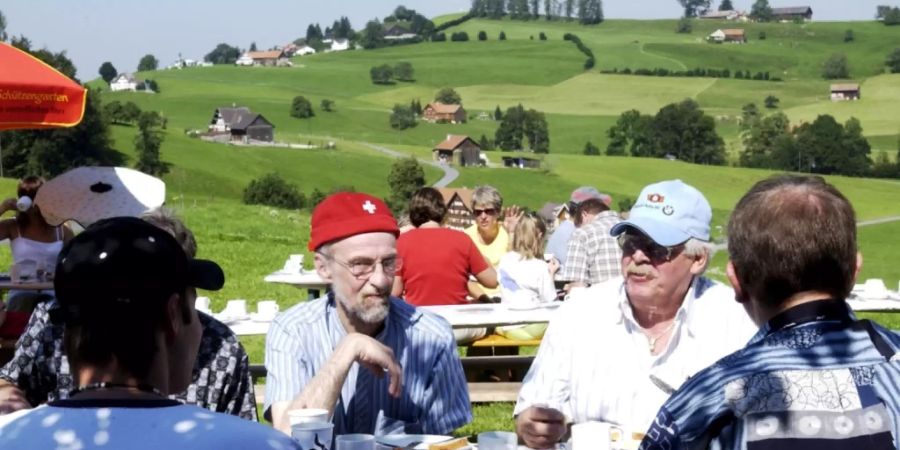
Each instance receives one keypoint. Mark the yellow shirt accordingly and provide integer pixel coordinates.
(492, 252)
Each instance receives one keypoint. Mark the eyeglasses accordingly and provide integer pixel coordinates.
(630, 243)
(363, 267)
(488, 211)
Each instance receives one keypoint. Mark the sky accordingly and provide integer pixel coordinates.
(122, 31)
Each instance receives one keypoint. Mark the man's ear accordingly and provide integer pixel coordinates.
(859, 265)
(174, 318)
(322, 267)
(739, 295)
(700, 263)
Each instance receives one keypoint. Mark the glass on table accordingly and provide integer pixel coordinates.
(497, 440)
(355, 442)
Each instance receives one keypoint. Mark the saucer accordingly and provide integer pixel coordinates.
(257, 317)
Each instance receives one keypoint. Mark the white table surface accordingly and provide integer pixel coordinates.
(304, 279)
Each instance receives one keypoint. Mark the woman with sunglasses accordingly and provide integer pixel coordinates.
(34, 243)
(489, 236)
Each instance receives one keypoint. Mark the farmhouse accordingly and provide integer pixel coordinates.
(337, 45)
(554, 214)
(458, 149)
(267, 58)
(729, 35)
(792, 13)
(845, 91)
(439, 112)
(522, 162)
(725, 15)
(459, 207)
(123, 82)
(241, 124)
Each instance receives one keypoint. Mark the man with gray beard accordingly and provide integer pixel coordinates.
(616, 351)
(314, 351)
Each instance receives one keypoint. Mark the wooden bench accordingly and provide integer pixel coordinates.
(496, 340)
(516, 362)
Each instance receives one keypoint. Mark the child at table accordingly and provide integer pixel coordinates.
(525, 278)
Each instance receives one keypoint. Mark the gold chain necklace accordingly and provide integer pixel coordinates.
(651, 340)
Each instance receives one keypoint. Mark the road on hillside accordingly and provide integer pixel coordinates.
(864, 223)
(450, 173)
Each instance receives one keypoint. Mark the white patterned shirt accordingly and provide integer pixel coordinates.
(593, 256)
(594, 363)
(434, 397)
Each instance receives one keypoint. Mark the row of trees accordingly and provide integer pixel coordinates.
(386, 74)
(589, 62)
(587, 12)
(302, 108)
(679, 130)
(887, 14)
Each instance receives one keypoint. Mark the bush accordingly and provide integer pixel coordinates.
(272, 190)
(327, 105)
(591, 149)
(404, 71)
(482, 36)
(893, 61)
(836, 67)
(383, 74)
(771, 102)
(460, 36)
(502, 36)
(762, 35)
(439, 37)
(685, 26)
(542, 36)
(848, 36)
(301, 108)
(402, 117)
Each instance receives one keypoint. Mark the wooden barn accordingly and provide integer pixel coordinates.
(440, 112)
(458, 149)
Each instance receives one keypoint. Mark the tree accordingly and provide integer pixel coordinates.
(382, 74)
(372, 35)
(2, 27)
(569, 9)
(591, 149)
(327, 105)
(761, 11)
(511, 130)
(402, 117)
(826, 147)
(694, 8)
(112, 111)
(460, 36)
(404, 71)
(130, 113)
(482, 36)
(542, 36)
(685, 26)
(223, 54)
(272, 190)
(686, 132)
(416, 106)
(439, 37)
(848, 36)
(406, 177)
(893, 61)
(147, 143)
(485, 143)
(726, 6)
(147, 63)
(253, 46)
(313, 33)
(301, 108)
(498, 115)
(881, 11)
(502, 36)
(550, 7)
(836, 67)
(631, 128)
(892, 17)
(771, 102)
(749, 116)
(536, 131)
(108, 72)
(762, 138)
(590, 12)
(448, 96)
(535, 9)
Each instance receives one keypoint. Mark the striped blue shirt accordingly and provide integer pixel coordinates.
(434, 398)
(813, 377)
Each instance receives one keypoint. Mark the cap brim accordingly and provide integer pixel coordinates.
(661, 233)
(206, 275)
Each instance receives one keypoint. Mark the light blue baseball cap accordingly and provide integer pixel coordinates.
(670, 213)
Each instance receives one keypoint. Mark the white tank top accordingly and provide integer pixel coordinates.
(23, 248)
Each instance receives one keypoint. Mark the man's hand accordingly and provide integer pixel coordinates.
(376, 357)
(540, 427)
(11, 398)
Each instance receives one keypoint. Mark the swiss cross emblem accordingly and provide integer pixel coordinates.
(369, 207)
(655, 198)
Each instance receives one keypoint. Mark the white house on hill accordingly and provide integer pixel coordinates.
(339, 45)
(123, 82)
(304, 50)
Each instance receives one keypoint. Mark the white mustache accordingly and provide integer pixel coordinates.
(639, 270)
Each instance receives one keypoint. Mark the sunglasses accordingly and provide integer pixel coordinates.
(488, 211)
(630, 243)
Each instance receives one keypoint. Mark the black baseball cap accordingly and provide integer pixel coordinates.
(125, 265)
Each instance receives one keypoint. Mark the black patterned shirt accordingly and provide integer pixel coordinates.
(221, 379)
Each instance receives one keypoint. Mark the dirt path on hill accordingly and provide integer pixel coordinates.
(450, 173)
(641, 48)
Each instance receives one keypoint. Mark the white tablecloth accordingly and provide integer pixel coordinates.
(308, 279)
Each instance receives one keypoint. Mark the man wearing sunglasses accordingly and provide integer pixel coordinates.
(318, 353)
(616, 350)
(814, 376)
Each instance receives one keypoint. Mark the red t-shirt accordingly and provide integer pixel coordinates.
(436, 265)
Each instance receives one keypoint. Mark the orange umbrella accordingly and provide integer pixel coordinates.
(35, 95)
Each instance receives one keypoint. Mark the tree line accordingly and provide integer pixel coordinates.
(697, 72)
(586, 12)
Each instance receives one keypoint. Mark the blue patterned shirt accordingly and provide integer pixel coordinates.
(813, 377)
(434, 397)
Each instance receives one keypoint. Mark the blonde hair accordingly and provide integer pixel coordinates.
(528, 239)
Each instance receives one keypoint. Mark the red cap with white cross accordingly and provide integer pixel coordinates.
(346, 214)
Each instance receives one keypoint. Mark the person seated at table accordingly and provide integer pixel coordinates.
(585, 203)
(40, 372)
(438, 261)
(813, 377)
(525, 278)
(126, 294)
(32, 240)
(615, 351)
(491, 236)
(354, 238)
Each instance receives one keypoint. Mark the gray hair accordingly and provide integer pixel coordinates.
(487, 195)
(166, 219)
(695, 247)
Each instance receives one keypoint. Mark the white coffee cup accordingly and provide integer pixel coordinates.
(595, 435)
(235, 308)
(267, 308)
(294, 263)
(306, 415)
(313, 435)
(202, 304)
(24, 203)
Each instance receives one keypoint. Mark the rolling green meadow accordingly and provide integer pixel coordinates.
(207, 180)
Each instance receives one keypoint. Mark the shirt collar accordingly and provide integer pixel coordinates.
(698, 286)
